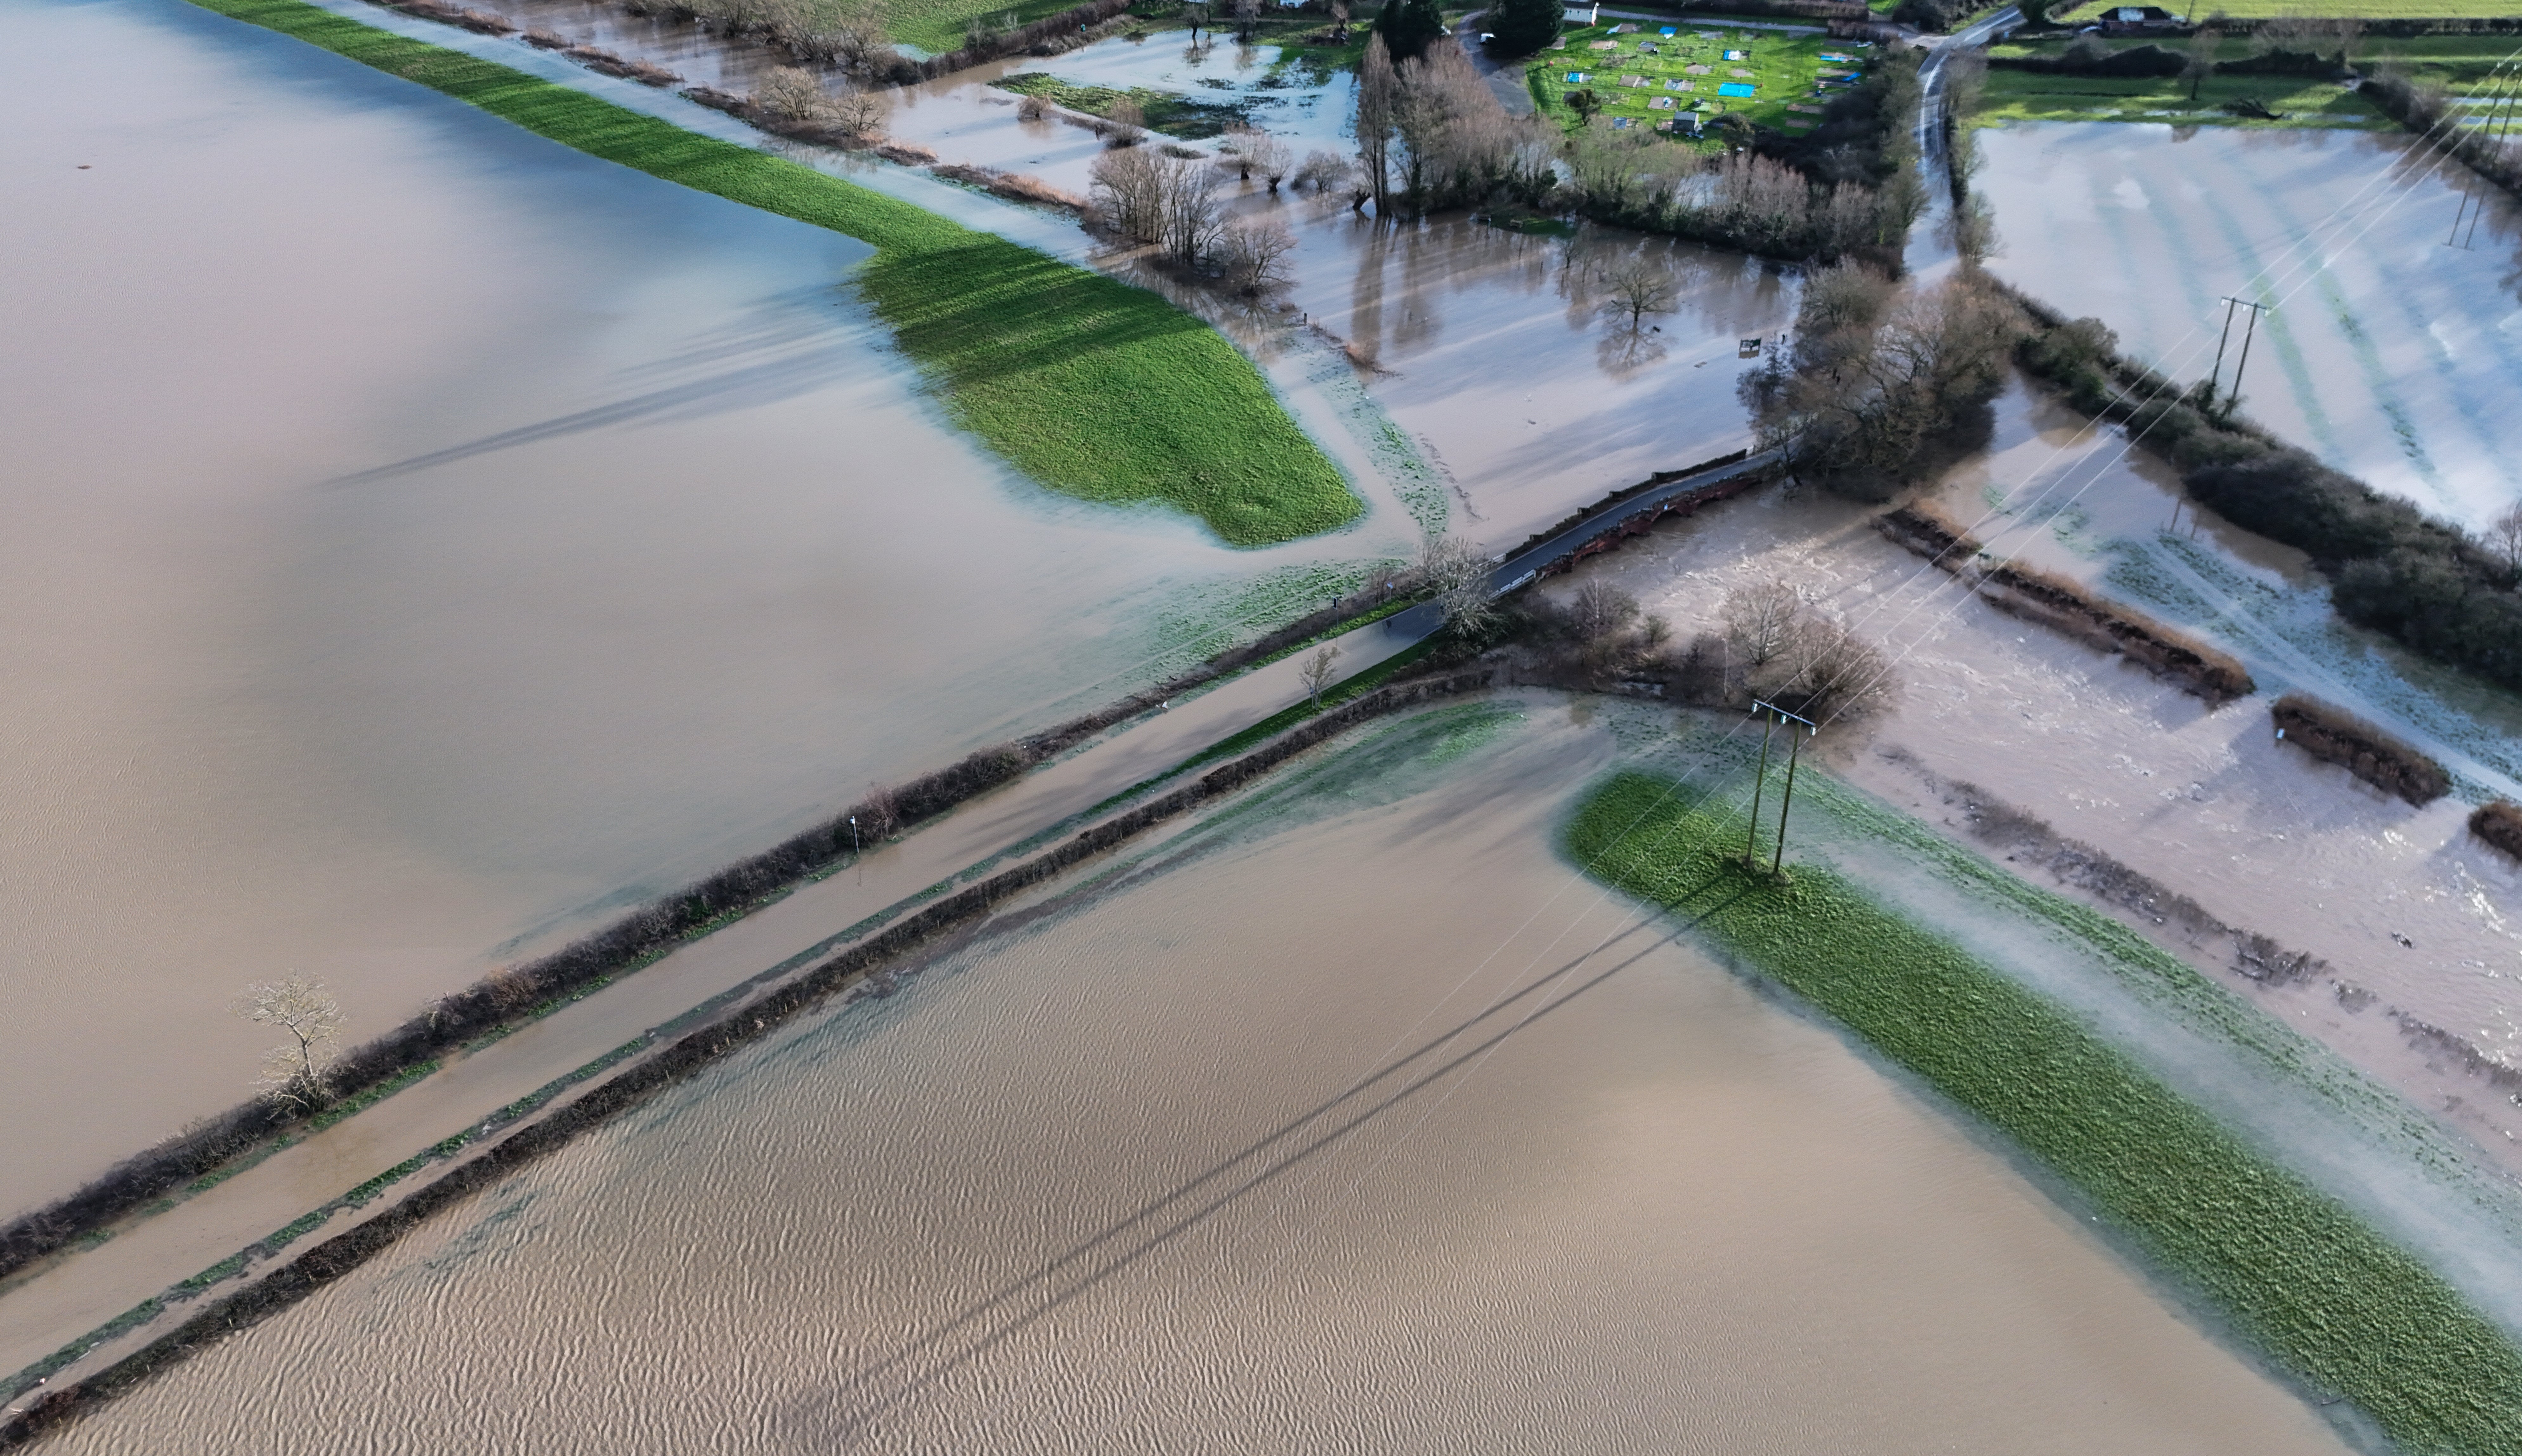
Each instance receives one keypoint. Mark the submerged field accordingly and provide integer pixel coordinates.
(1088, 386)
(2295, 1272)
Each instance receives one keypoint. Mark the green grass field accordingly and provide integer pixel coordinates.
(1631, 79)
(939, 25)
(2295, 1274)
(2371, 10)
(2037, 96)
(1088, 386)
(1168, 111)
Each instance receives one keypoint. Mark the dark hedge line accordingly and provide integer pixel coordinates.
(339, 1255)
(516, 993)
(2337, 735)
(2422, 582)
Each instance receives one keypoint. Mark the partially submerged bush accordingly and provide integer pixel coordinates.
(2499, 824)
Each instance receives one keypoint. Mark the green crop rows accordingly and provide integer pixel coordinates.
(1088, 386)
(2295, 1272)
(1630, 69)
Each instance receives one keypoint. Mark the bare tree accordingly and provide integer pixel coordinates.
(879, 813)
(2202, 58)
(1599, 610)
(1378, 103)
(2504, 534)
(1456, 573)
(1127, 122)
(1269, 157)
(859, 112)
(1254, 255)
(1032, 107)
(791, 93)
(1247, 14)
(1319, 671)
(1634, 287)
(1325, 172)
(1187, 206)
(1128, 189)
(293, 1073)
(1835, 674)
(1196, 15)
(1761, 621)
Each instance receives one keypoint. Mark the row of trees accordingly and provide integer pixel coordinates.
(1431, 134)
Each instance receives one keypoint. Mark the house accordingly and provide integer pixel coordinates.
(2130, 20)
(1581, 14)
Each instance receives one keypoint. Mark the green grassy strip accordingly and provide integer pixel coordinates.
(351, 1107)
(1090, 386)
(1288, 717)
(2296, 1273)
(1168, 111)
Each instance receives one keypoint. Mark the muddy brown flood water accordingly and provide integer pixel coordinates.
(1108, 1180)
(423, 537)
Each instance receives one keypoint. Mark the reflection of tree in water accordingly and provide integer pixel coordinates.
(1366, 296)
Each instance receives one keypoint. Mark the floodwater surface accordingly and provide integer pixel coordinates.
(1354, 1120)
(2390, 352)
(426, 538)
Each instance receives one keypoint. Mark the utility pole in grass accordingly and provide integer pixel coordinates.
(1773, 716)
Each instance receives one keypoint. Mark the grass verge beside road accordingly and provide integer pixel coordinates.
(2296, 1273)
(1090, 386)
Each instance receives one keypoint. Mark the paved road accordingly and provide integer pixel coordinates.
(1928, 252)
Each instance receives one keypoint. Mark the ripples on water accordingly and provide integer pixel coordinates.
(1109, 1181)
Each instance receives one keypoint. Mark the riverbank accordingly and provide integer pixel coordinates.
(1087, 385)
(2299, 1275)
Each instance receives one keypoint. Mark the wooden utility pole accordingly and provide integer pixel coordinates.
(2248, 331)
(1794, 755)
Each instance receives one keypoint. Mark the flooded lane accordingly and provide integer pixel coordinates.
(2390, 353)
(1107, 1180)
(427, 538)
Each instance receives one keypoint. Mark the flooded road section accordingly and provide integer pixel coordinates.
(1353, 1121)
(2388, 353)
(427, 539)
(2415, 919)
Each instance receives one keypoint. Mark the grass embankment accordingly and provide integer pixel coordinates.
(2295, 1272)
(2013, 95)
(1090, 386)
(1629, 72)
(1167, 112)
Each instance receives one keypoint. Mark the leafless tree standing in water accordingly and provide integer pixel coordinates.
(1760, 619)
(1127, 123)
(1254, 254)
(1319, 671)
(791, 93)
(293, 1073)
